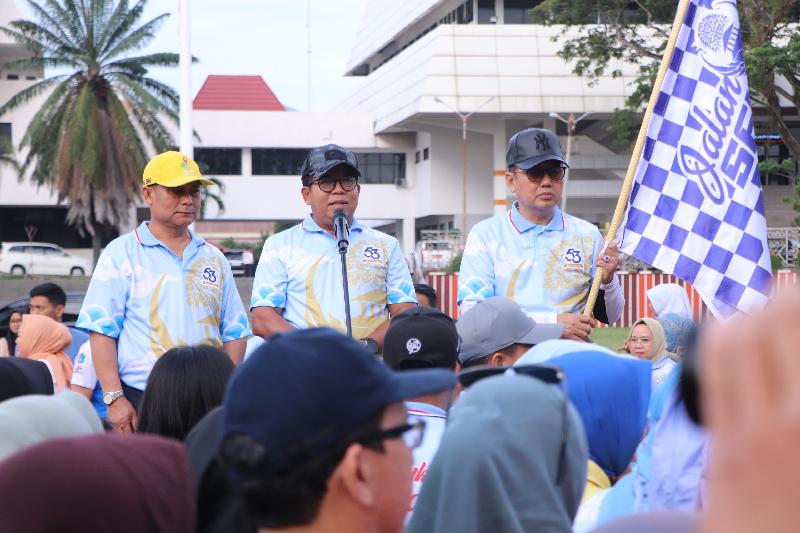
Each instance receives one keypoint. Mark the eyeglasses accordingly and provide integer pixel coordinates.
(412, 434)
(326, 184)
(536, 174)
(547, 374)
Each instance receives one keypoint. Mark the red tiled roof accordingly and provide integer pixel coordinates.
(237, 93)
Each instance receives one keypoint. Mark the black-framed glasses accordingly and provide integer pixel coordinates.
(556, 172)
(547, 374)
(412, 434)
(327, 184)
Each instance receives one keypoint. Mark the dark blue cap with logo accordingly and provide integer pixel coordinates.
(322, 159)
(302, 393)
(530, 147)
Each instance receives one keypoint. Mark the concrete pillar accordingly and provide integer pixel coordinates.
(499, 143)
(407, 233)
(247, 162)
(499, 11)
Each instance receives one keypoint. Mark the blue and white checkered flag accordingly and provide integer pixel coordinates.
(695, 209)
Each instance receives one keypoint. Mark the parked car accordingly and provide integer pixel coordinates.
(71, 310)
(20, 258)
(236, 259)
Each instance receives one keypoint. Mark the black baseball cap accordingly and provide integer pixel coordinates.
(421, 337)
(302, 393)
(530, 147)
(322, 159)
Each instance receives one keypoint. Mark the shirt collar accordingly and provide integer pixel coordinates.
(522, 224)
(146, 237)
(309, 224)
(426, 408)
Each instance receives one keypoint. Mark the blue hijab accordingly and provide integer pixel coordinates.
(677, 329)
(612, 394)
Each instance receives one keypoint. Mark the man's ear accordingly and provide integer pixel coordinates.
(147, 194)
(497, 359)
(355, 476)
(510, 182)
(59, 310)
(306, 193)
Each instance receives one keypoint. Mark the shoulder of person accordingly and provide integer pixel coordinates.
(287, 235)
(573, 223)
(372, 233)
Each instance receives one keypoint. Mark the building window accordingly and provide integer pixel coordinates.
(30, 78)
(417, 156)
(382, 168)
(219, 161)
(12, 76)
(5, 132)
(518, 11)
(486, 13)
(425, 154)
(278, 161)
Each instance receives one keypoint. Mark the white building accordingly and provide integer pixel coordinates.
(420, 61)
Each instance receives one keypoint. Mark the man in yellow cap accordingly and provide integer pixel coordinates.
(157, 288)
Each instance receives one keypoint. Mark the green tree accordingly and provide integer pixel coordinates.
(7, 154)
(88, 139)
(620, 31)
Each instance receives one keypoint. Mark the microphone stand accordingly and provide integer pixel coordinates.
(340, 224)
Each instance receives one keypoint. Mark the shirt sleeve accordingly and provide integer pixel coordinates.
(103, 308)
(399, 287)
(271, 280)
(83, 373)
(476, 275)
(233, 323)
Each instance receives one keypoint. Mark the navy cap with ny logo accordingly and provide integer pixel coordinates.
(322, 159)
(530, 147)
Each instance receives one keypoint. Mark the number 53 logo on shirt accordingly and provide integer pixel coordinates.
(371, 254)
(572, 259)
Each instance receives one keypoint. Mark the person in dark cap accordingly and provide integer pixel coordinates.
(497, 332)
(298, 282)
(535, 254)
(316, 436)
(424, 338)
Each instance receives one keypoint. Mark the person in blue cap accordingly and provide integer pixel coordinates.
(316, 437)
(535, 254)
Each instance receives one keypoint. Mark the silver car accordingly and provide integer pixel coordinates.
(20, 258)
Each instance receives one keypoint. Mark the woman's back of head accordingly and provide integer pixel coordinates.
(134, 483)
(497, 467)
(185, 384)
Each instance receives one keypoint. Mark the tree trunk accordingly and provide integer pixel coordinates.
(97, 244)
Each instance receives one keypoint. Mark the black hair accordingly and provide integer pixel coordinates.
(306, 180)
(428, 291)
(185, 384)
(294, 497)
(54, 293)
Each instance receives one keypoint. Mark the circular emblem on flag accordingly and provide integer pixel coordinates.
(717, 37)
(413, 345)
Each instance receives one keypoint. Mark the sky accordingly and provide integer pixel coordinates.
(264, 37)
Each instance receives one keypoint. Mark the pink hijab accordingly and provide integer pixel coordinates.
(44, 339)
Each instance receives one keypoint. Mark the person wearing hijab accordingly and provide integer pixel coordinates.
(136, 483)
(648, 341)
(669, 298)
(19, 376)
(678, 330)
(497, 467)
(611, 394)
(43, 339)
(8, 344)
(29, 420)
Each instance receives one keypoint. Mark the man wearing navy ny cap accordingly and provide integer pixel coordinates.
(316, 435)
(536, 255)
(298, 281)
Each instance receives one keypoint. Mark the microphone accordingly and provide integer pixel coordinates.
(342, 231)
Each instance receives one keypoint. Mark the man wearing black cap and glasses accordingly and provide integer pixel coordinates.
(298, 282)
(536, 255)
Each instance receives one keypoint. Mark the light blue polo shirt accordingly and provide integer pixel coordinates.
(300, 271)
(545, 269)
(150, 300)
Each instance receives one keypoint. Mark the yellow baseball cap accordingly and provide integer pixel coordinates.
(172, 169)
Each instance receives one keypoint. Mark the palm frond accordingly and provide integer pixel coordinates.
(25, 95)
(135, 40)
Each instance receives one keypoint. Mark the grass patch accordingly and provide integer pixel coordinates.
(611, 338)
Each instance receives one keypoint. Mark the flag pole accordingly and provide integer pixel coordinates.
(627, 185)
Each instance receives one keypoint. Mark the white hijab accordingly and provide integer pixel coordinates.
(669, 298)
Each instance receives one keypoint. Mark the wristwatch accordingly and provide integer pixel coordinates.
(110, 397)
(371, 345)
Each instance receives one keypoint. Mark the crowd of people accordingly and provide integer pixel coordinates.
(155, 413)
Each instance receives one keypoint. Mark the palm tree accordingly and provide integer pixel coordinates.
(209, 196)
(88, 140)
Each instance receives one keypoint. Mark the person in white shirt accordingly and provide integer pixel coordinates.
(417, 338)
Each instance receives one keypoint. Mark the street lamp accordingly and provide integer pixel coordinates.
(571, 123)
(463, 117)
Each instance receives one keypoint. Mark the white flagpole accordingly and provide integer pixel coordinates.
(185, 91)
